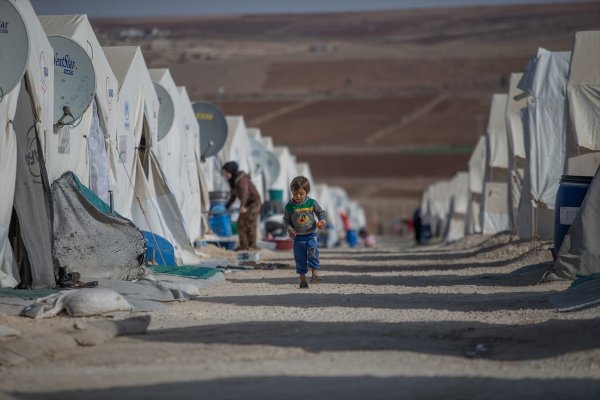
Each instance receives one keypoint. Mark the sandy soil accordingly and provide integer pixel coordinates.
(436, 322)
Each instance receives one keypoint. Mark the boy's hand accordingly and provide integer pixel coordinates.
(321, 224)
(292, 232)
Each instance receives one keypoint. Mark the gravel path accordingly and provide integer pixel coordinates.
(435, 322)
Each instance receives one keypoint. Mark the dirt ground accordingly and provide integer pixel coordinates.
(401, 94)
(434, 322)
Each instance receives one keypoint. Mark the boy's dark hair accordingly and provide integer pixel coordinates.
(300, 182)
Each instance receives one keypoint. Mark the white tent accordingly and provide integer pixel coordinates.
(545, 135)
(583, 93)
(237, 145)
(476, 174)
(39, 76)
(304, 169)
(459, 205)
(137, 104)
(520, 208)
(495, 186)
(258, 172)
(287, 171)
(176, 156)
(82, 149)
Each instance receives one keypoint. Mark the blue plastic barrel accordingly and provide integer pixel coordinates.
(570, 195)
(219, 219)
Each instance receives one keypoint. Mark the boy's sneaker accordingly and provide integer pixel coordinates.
(303, 285)
(315, 279)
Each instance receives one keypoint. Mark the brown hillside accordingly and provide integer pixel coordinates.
(383, 103)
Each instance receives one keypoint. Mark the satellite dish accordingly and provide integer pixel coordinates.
(74, 80)
(14, 47)
(257, 153)
(166, 110)
(213, 128)
(272, 165)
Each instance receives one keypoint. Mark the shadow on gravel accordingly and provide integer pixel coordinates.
(343, 387)
(453, 338)
(404, 301)
(441, 266)
(526, 276)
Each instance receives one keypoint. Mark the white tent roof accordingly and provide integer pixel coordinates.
(497, 142)
(583, 90)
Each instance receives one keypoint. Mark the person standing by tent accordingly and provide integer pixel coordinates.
(301, 224)
(243, 189)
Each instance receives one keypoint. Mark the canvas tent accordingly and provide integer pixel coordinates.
(544, 80)
(137, 119)
(82, 149)
(583, 94)
(495, 186)
(458, 208)
(24, 183)
(476, 174)
(177, 160)
(519, 207)
(287, 170)
(579, 254)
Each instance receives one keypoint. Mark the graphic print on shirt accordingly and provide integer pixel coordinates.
(303, 220)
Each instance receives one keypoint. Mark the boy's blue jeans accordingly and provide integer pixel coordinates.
(306, 253)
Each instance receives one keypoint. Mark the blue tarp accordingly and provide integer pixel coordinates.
(159, 250)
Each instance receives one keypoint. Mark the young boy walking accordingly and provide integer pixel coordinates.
(301, 224)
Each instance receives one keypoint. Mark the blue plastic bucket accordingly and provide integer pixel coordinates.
(351, 238)
(570, 195)
(219, 219)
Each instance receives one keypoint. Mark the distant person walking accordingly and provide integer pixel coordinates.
(301, 224)
(417, 225)
(243, 189)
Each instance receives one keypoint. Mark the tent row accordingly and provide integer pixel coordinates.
(93, 192)
(542, 139)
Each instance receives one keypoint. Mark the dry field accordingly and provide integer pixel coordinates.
(401, 96)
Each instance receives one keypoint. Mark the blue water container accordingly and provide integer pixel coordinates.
(219, 219)
(159, 250)
(570, 195)
(351, 238)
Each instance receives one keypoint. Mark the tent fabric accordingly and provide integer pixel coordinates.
(545, 125)
(583, 90)
(68, 150)
(9, 274)
(177, 161)
(495, 188)
(579, 255)
(497, 142)
(287, 170)
(137, 112)
(32, 200)
(99, 179)
(87, 238)
(476, 174)
(520, 225)
(156, 210)
(459, 206)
